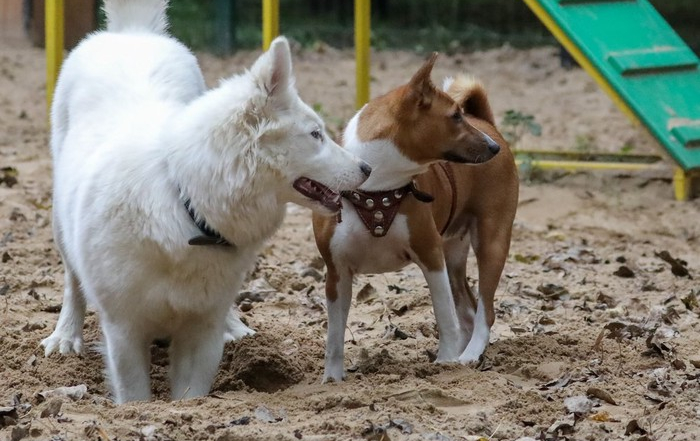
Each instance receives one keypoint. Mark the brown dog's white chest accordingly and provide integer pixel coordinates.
(354, 247)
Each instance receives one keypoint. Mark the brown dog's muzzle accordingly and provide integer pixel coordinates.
(475, 148)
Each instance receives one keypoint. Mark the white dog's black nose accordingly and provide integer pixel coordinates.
(366, 169)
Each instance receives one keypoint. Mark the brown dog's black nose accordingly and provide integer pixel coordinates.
(493, 145)
(366, 169)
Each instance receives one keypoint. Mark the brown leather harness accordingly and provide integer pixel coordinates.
(377, 209)
(449, 172)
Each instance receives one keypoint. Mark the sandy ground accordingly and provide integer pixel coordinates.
(578, 351)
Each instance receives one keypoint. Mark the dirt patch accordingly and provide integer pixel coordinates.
(259, 363)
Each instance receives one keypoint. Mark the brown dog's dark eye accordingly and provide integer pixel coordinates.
(457, 116)
(317, 134)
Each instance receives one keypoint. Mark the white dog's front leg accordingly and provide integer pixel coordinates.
(451, 339)
(195, 353)
(235, 329)
(67, 337)
(128, 362)
(338, 299)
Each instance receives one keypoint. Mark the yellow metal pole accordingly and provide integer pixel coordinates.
(271, 21)
(573, 166)
(362, 40)
(681, 184)
(54, 45)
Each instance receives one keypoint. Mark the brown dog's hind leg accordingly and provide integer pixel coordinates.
(491, 242)
(456, 252)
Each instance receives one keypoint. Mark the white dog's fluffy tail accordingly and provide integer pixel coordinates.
(469, 93)
(136, 15)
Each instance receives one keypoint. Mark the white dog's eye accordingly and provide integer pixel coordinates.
(317, 134)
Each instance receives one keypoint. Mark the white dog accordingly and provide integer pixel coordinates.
(164, 193)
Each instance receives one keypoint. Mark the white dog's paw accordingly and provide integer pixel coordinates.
(236, 331)
(66, 344)
(235, 328)
(446, 359)
(337, 376)
(237, 334)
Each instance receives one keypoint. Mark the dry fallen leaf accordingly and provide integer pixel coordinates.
(690, 301)
(392, 331)
(601, 395)
(396, 288)
(266, 415)
(72, 392)
(546, 320)
(678, 364)
(552, 291)
(624, 272)
(526, 258)
(93, 431)
(8, 176)
(602, 417)
(634, 427)
(51, 408)
(375, 433)
(367, 294)
(678, 266)
(656, 348)
(559, 383)
(563, 427)
(607, 300)
(620, 331)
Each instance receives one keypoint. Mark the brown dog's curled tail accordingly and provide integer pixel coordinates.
(470, 95)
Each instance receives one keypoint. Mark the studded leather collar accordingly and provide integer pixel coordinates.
(377, 209)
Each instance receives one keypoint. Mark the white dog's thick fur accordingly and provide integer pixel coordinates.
(134, 135)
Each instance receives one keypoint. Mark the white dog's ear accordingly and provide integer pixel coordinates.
(273, 69)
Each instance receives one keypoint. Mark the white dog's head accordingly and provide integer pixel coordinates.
(293, 141)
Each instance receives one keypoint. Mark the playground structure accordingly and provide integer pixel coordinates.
(642, 64)
(626, 46)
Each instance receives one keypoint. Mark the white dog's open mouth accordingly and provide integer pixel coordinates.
(318, 192)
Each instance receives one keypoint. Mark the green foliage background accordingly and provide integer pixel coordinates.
(409, 24)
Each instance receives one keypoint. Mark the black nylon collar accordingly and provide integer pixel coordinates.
(208, 236)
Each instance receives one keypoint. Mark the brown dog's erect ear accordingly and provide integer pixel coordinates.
(422, 87)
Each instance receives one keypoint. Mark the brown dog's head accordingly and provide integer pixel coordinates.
(430, 125)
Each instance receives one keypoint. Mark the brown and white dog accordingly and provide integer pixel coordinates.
(424, 203)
